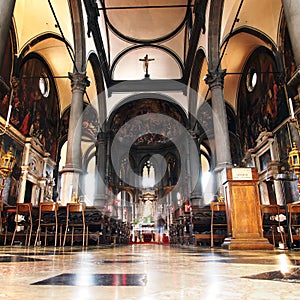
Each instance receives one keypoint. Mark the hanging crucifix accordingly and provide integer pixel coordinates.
(146, 60)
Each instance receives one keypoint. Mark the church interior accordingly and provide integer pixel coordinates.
(149, 149)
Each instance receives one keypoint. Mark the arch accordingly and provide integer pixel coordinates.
(194, 87)
(258, 108)
(36, 114)
(38, 39)
(155, 40)
(79, 38)
(215, 22)
(87, 156)
(100, 88)
(156, 97)
(7, 70)
(263, 37)
(160, 47)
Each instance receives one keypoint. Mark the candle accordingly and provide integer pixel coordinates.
(8, 115)
(291, 108)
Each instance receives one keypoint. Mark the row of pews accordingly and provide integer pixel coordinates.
(280, 225)
(195, 229)
(102, 229)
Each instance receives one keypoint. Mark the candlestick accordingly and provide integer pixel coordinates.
(8, 115)
(291, 108)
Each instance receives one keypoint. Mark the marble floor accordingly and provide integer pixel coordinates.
(148, 271)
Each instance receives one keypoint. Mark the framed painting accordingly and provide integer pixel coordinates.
(264, 160)
(284, 142)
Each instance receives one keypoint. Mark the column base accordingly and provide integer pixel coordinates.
(100, 201)
(197, 200)
(247, 244)
(70, 184)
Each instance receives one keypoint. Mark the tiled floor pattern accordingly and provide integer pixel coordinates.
(147, 272)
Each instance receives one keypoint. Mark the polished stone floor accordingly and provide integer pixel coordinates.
(148, 271)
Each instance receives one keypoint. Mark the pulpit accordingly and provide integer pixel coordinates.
(243, 210)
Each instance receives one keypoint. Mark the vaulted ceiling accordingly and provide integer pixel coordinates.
(122, 32)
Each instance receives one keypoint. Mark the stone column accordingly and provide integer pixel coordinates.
(197, 193)
(292, 12)
(101, 196)
(7, 9)
(73, 169)
(215, 80)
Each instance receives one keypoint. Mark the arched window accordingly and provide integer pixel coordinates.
(148, 175)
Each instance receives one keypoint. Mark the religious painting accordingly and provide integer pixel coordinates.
(205, 119)
(5, 72)
(153, 129)
(90, 125)
(10, 190)
(282, 137)
(235, 149)
(35, 109)
(290, 68)
(264, 160)
(64, 123)
(262, 104)
(291, 191)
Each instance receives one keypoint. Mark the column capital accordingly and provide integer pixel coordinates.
(79, 81)
(215, 78)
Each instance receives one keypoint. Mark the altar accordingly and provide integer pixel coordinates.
(143, 234)
(144, 228)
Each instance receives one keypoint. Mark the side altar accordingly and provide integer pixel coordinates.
(243, 210)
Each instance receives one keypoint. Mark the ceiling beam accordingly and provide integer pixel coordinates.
(145, 7)
(146, 85)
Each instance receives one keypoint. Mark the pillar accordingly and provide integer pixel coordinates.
(215, 80)
(72, 171)
(292, 12)
(7, 9)
(101, 196)
(197, 193)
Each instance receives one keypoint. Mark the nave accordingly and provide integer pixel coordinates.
(147, 271)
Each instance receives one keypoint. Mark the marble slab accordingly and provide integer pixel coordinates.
(72, 279)
(293, 276)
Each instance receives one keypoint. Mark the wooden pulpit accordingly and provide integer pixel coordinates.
(243, 210)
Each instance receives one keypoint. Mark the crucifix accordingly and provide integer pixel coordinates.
(146, 60)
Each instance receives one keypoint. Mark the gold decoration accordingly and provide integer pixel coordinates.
(8, 160)
(294, 162)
